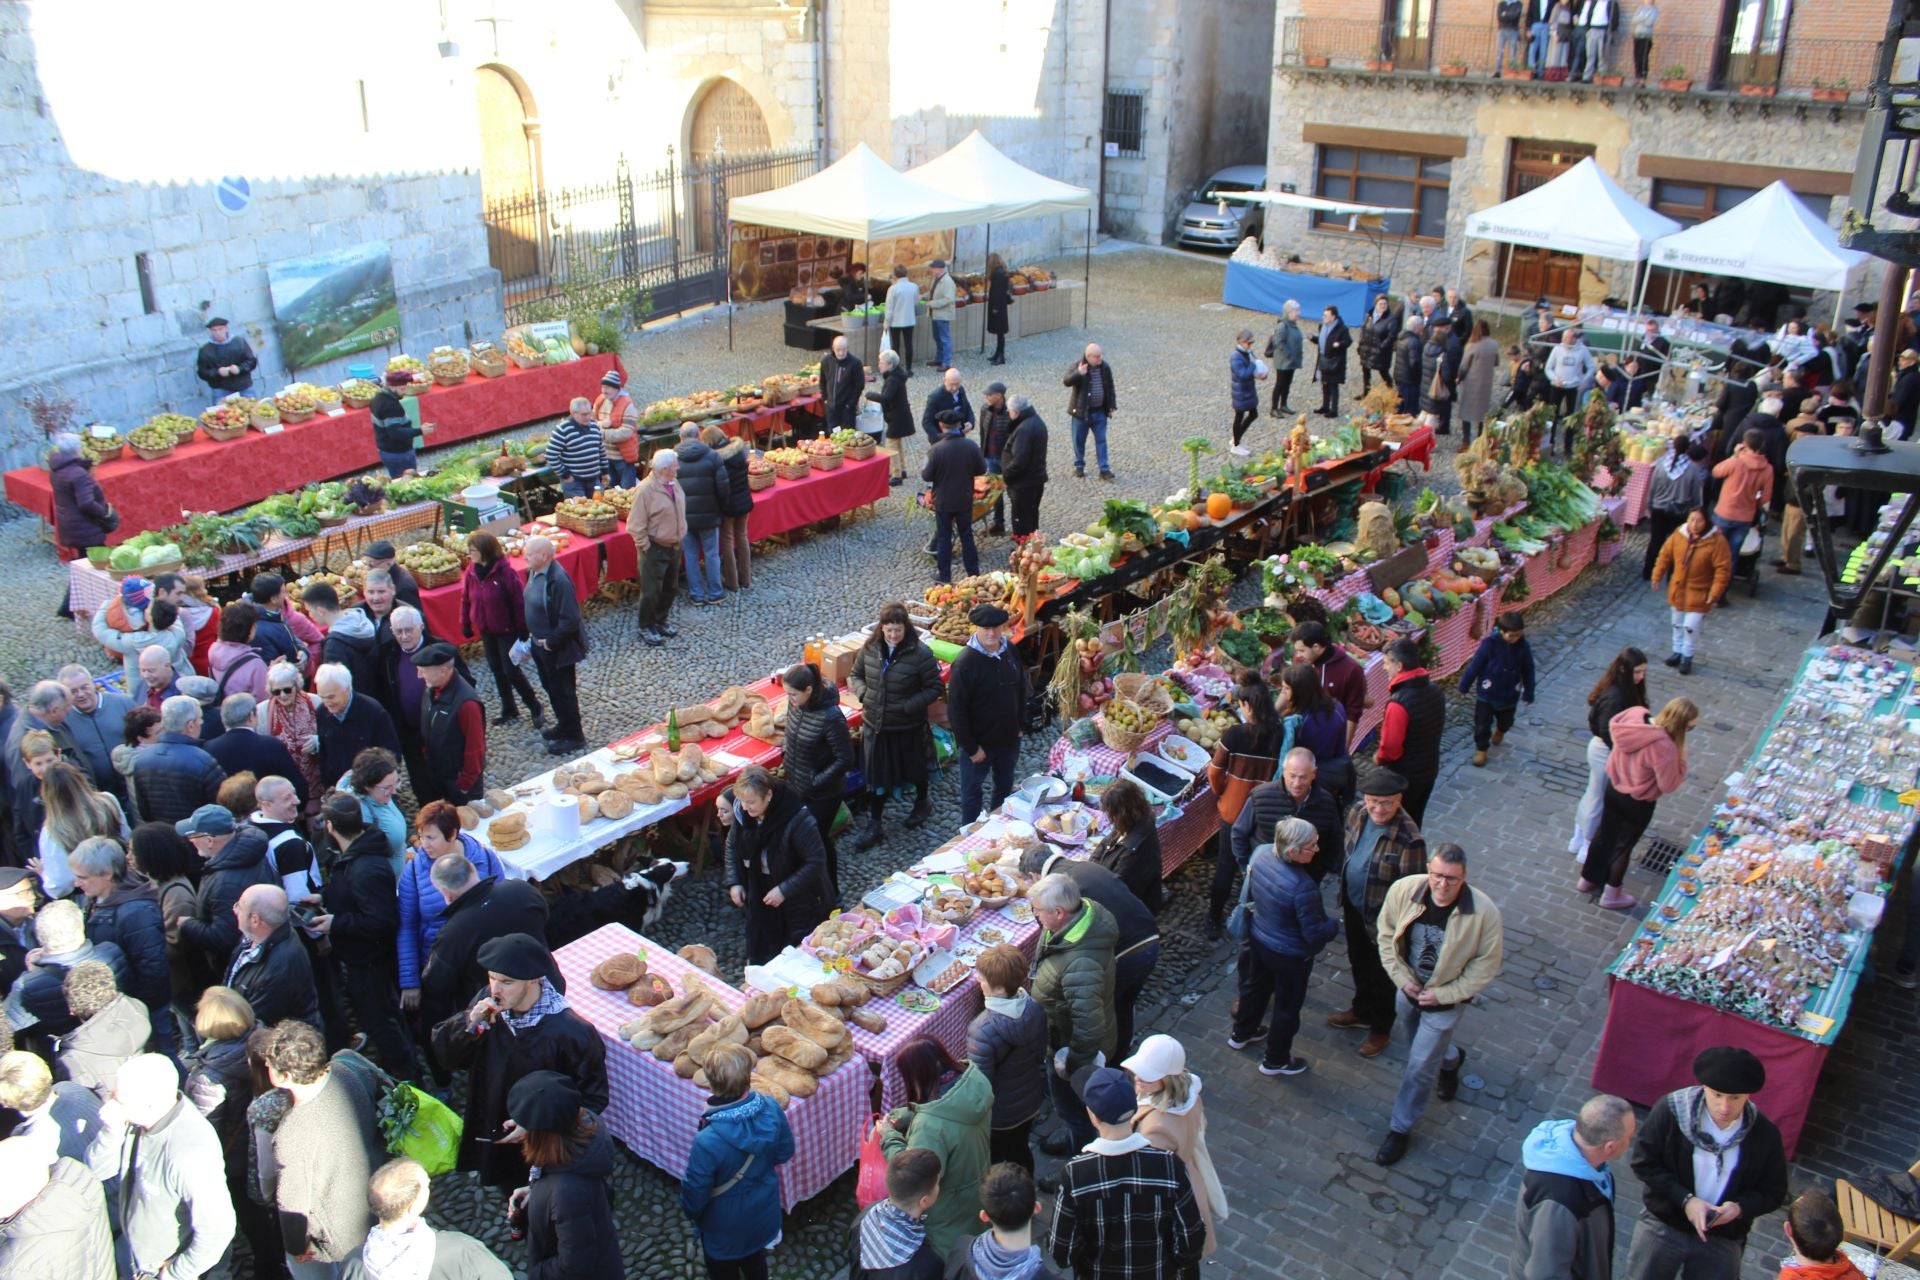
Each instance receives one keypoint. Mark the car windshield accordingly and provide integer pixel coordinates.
(1202, 193)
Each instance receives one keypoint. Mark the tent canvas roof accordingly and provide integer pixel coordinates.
(1768, 236)
(976, 170)
(859, 196)
(1581, 211)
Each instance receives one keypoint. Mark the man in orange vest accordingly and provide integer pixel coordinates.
(619, 421)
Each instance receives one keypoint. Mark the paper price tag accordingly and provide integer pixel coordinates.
(272, 429)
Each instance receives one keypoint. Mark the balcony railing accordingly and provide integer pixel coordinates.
(1827, 69)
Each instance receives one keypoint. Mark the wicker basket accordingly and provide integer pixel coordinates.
(415, 388)
(828, 461)
(861, 451)
(269, 418)
(1143, 692)
(109, 455)
(1125, 741)
(438, 578)
(152, 455)
(792, 470)
(224, 433)
(758, 480)
(333, 522)
(587, 526)
(490, 364)
(354, 402)
(296, 415)
(884, 988)
(448, 379)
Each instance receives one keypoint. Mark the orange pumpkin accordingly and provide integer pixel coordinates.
(1193, 519)
(1219, 506)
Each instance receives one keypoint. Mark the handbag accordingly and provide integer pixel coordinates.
(1750, 545)
(1437, 389)
(871, 1185)
(1240, 919)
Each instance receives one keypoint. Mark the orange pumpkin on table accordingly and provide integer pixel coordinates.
(1219, 506)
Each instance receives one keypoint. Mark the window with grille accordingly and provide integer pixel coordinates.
(1386, 178)
(1125, 128)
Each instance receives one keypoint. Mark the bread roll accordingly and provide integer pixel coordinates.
(698, 713)
(614, 804)
(684, 1066)
(677, 1013)
(676, 1042)
(617, 973)
(794, 1047)
(500, 799)
(508, 841)
(665, 768)
(816, 1025)
(650, 990)
(869, 1019)
(801, 1084)
(700, 957)
(676, 790)
(645, 1039)
(759, 1011)
(507, 823)
(469, 817)
(761, 1084)
(592, 785)
(589, 809)
(729, 1030)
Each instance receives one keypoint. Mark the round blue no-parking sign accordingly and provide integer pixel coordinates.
(233, 194)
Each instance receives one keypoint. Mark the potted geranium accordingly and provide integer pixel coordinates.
(1838, 91)
(1675, 79)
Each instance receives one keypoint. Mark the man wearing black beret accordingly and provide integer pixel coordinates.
(453, 727)
(986, 699)
(1711, 1165)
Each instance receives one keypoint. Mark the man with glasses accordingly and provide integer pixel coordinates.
(1441, 945)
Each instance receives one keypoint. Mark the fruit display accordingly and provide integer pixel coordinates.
(102, 448)
(152, 437)
(428, 559)
(224, 417)
(848, 438)
(958, 599)
(296, 590)
(821, 446)
(1205, 730)
(1032, 556)
(407, 363)
(359, 392)
(297, 401)
(788, 458)
(448, 365)
(587, 508)
(265, 410)
(1130, 717)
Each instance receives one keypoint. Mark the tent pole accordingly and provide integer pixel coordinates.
(729, 270)
(1086, 285)
(1506, 278)
(983, 269)
(1839, 300)
(1459, 275)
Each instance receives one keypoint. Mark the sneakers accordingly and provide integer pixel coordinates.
(1673, 659)
(1240, 450)
(1374, 1045)
(1237, 1041)
(653, 638)
(1686, 665)
(1479, 759)
(1291, 1067)
(1449, 1083)
(1346, 1018)
(667, 631)
(1392, 1148)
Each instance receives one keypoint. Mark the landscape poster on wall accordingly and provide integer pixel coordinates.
(328, 305)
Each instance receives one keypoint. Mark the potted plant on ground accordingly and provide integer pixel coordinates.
(1379, 64)
(1675, 79)
(1610, 82)
(1453, 68)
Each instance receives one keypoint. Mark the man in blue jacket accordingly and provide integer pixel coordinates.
(1500, 677)
(1563, 1225)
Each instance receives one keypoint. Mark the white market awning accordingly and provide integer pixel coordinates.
(976, 171)
(1582, 211)
(1771, 236)
(861, 197)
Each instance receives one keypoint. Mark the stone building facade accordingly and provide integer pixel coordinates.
(1432, 124)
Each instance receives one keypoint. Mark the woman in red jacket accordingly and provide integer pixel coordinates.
(1649, 760)
(493, 605)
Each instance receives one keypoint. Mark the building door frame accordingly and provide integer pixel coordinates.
(1539, 273)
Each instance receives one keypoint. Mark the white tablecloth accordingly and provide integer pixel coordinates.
(548, 851)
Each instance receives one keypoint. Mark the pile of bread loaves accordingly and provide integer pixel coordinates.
(493, 802)
(663, 776)
(795, 1042)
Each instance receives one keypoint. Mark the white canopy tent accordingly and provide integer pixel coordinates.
(861, 197)
(1582, 211)
(1771, 236)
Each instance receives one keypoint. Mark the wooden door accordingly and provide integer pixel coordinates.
(1540, 273)
(509, 172)
(726, 122)
(1407, 33)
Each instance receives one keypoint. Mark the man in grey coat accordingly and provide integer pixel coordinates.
(97, 719)
(176, 1216)
(324, 1151)
(1563, 1224)
(53, 1219)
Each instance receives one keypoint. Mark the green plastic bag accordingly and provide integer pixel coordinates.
(419, 1126)
(942, 746)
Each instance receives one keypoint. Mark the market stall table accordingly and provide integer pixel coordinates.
(656, 1113)
(1264, 289)
(794, 504)
(580, 558)
(209, 475)
(555, 844)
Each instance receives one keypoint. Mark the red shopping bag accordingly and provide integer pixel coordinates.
(871, 1186)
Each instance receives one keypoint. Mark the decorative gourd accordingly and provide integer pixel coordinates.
(1193, 520)
(1219, 506)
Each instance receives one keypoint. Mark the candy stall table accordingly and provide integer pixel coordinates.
(656, 1113)
(209, 475)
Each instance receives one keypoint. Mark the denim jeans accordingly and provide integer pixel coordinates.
(944, 523)
(1432, 1046)
(943, 342)
(1537, 48)
(398, 463)
(625, 474)
(1070, 1108)
(1000, 763)
(575, 488)
(1736, 531)
(700, 556)
(1097, 424)
(1269, 977)
(1509, 50)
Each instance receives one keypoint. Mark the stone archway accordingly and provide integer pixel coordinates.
(724, 122)
(510, 178)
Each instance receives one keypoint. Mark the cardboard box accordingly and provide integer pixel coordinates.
(836, 662)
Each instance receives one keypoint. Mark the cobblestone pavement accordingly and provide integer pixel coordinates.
(1295, 1155)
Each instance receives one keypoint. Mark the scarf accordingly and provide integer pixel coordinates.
(995, 1261)
(399, 1255)
(1690, 1106)
(1676, 462)
(889, 1236)
(549, 1003)
(293, 726)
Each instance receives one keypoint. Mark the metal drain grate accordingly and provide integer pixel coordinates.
(1660, 855)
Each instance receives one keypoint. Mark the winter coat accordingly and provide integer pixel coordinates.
(81, 512)
(841, 382)
(1024, 460)
(986, 698)
(423, 910)
(126, 645)
(1470, 948)
(1330, 353)
(1644, 763)
(999, 297)
(1407, 351)
(175, 776)
(491, 601)
(895, 695)
(1663, 1161)
(733, 457)
(559, 623)
(1184, 1133)
(96, 733)
(895, 409)
(1701, 568)
(62, 1233)
(492, 908)
(1500, 673)
(943, 401)
(1479, 365)
(366, 724)
(1011, 1051)
(245, 749)
(1563, 1221)
(1135, 924)
(902, 304)
(744, 1218)
(322, 1156)
(1410, 730)
(703, 479)
(241, 863)
(277, 980)
(1742, 477)
(954, 1126)
(455, 1257)
(950, 469)
(361, 897)
(1676, 495)
(174, 1210)
(1271, 801)
(996, 424)
(1135, 858)
(1108, 400)
(354, 643)
(1378, 333)
(93, 1052)
(571, 1234)
(1288, 917)
(819, 749)
(1240, 376)
(498, 1057)
(781, 849)
(1439, 361)
(1286, 347)
(39, 990)
(129, 917)
(1073, 981)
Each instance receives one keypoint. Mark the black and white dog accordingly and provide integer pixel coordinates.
(638, 900)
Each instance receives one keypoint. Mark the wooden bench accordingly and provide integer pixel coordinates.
(1863, 1220)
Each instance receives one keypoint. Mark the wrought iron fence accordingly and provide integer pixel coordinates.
(641, 245)
(1824, 68)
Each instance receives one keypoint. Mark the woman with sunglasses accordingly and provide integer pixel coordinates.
(289, 714)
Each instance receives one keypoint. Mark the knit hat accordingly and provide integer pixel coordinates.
(544, 1101)
(1383, 782)
(1109, 1095)
(522, 957)
(612, 379)
(1730, 1070)
(136, 593)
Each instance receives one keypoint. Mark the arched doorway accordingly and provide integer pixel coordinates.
(724, 120)
(509, 171)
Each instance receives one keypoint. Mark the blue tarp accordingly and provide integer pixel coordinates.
(1262, 289)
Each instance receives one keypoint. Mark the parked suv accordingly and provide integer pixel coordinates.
(1203, 225)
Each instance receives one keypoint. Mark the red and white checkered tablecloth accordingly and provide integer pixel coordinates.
(1638, 494)
(656, 1113)
(1107, 763)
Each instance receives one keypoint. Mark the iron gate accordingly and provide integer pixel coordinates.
(642, 246)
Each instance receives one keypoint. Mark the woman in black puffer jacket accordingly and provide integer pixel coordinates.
(819, 752)
(1439, 367)
(736, 552)
(776, 866)
(896, 679)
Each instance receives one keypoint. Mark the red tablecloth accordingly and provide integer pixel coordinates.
(580, 558)
(768, 420)
(656, 1113)
(208, 475)
(1651, 1039)
(793, 504)
(1417, 447)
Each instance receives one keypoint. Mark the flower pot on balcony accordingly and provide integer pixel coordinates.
(1453, 68)
(1379, 64)
(1516, 73)
(1316, 60)
(1610, 82)
(1832, 95)
(1676, 86)
(1756, 90)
